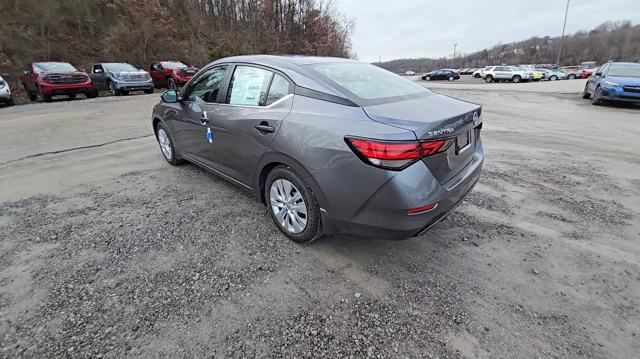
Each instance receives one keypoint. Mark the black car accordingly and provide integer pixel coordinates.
(443, 74)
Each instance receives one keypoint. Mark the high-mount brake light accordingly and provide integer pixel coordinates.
(395, 155)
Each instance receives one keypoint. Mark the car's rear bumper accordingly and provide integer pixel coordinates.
(384, 215)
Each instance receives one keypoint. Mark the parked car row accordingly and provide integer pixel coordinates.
(43, 80)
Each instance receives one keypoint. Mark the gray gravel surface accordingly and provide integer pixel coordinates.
(106, 251)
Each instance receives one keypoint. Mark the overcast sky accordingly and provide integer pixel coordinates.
(395, 29)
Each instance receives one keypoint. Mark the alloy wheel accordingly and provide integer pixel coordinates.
(165, 144)
(288, 206)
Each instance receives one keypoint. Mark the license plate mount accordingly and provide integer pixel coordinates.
(463, 142)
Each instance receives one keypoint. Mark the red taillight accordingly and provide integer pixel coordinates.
(395, 155)
(423, 209)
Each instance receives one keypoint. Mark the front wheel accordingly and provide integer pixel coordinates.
(166, 146)
(11, 102)
(171, 84)
(451, 79)
(428, 78)
(553, 78)
(516, 79)
(292, 205)
(585, 93)
(114, 90)
(596, 98)
(149, 91)
(571, 77)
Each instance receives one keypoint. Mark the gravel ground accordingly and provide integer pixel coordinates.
(106, 251)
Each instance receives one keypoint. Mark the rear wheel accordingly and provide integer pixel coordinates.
(489, 78)
(571, 77)
(428, 78)
(451, 79)
(553, 78)
(292, 205)
(585, 92)
(516, 79)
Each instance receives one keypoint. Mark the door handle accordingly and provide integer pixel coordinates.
(204, 120)
(264, 127)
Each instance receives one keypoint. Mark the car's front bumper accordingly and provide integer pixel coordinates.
(615, 93)
(384, 213)
(66, 89)
(134, 85)
(5, 94)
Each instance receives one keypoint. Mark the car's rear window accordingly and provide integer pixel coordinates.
(368, 84)
(625, 70)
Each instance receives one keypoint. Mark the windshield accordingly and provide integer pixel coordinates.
(173, 65)
(117, 67)
(368, 84)
(625, 70)
(53, 67)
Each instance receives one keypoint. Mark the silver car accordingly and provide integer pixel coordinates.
(120, 78)
(506, 73)
(5, 93)
(330, 145)
(553, 75)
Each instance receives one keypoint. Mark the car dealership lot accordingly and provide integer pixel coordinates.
(107, 250)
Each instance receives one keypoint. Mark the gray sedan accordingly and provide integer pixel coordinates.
(330, 145)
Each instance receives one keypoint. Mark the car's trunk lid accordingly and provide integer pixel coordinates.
(432, 117)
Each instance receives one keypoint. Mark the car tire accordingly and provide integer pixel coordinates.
(516, 79)
(91, 94)
(125, 93)
(72, 97)
(596, 97)
(553, 78)
(451, 78)
(571, 77)
(114, 90)
(150, 91)
(585, 93)
(477, 76)
(488, 79)
(428, 78)
(11, 102)
(283, 189)
(171, 84)
(43, 97)
(166, 146)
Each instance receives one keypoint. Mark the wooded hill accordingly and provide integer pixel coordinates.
(618, 41)
(140, 31)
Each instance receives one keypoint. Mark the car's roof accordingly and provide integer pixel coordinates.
(50, 62)
(625, 63)
(295, 67)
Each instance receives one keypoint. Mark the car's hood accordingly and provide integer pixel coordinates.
(431, 116)
(625, 81)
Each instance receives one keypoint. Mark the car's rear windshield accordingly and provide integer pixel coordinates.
(625, 70)
(173, 64)
(53, 67)
(367, 84)
(118, 67)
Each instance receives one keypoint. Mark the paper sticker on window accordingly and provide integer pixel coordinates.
(249, 86)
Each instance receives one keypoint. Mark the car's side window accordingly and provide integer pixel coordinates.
(249, 86)
(279, 88)
(207, 87)
(97, 69)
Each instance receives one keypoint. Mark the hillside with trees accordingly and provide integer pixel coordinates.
(618, 41)
(140, 31)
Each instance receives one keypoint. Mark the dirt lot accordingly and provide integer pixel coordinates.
(107, 251)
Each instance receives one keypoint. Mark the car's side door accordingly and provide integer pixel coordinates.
(439, 75)
(99, 77)
(256, 101)
(192, 126)
(593, 80)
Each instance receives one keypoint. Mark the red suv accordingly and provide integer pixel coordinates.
(42, 80)
(170, 74)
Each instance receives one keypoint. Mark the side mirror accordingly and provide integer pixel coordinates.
(598, 74)
(170, 96)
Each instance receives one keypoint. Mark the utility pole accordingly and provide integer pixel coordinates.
(455, 45)
(564, 26)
